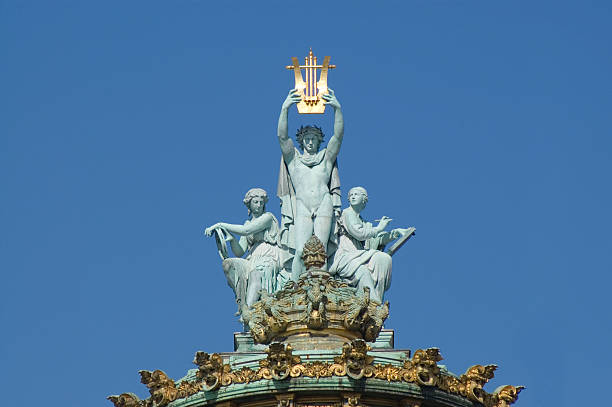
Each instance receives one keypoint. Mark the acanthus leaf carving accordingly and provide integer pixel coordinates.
(161, 387)
(125, 400)
(354, 362)
(210, 369)
(503, 396)
(475, 378)
(316, 300)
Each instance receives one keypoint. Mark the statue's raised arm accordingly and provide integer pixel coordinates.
(286, 144)
(308, 185)
(333, 147)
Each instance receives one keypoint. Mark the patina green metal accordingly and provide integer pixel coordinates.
(375, 373)
(310, 294)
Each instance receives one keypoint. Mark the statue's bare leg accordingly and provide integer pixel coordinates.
(303, 231)
(323, 220)
(235, 270)
(322, 229)
(254, 287)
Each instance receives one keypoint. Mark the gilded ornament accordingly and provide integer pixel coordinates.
(125, 400)
(161, 387)
(245, 375)
(475, 378)
(280, 360)
(210, 369)
(352, 400)
(318, 369)
(424, 366)
(354, 362)
(503, 396)
(355, 358)
(318, 301)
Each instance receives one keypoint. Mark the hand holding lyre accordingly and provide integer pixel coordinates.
(293, 97)
(330, 99)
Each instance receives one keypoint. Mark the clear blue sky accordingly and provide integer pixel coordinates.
(128, 126)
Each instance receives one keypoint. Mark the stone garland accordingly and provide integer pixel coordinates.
(354, 362)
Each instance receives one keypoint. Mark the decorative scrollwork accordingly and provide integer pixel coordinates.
(125, 400)
(161, 387)
(475, 378)
(318, 301)
(245, 375)
(210, 369)
(280, 364)
(503, 396)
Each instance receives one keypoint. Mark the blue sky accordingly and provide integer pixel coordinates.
(128, 127)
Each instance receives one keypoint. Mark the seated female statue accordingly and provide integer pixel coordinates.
(258, 239)
(358, 260)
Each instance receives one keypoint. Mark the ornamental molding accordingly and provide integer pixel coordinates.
(316, 302)
(354, 362)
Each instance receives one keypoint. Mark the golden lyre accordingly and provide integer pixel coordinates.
(311, 89)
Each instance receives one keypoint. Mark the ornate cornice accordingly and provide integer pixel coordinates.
(354, 362)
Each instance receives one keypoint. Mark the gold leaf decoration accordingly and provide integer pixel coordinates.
(280, 364)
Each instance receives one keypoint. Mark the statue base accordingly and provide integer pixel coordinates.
(320, 340)
(317, 306)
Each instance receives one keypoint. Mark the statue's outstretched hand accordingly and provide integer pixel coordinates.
(330, 99)
(384, 222)
(209, 231)
(292, 98)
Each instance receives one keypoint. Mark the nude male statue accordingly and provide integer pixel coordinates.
(311, 177)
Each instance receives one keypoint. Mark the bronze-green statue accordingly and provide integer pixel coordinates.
(258, 239)
(308, 184)
(358, 260)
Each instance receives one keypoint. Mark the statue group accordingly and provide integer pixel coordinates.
(268, 254)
